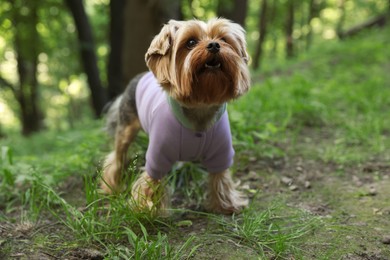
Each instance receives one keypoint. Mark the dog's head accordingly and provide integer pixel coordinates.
(200, 63)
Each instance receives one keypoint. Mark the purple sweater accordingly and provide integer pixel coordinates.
(170, 142)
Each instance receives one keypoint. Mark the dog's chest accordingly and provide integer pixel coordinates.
(193, 146)
(170, 141)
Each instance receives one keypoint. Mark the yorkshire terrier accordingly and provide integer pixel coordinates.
(195, 69)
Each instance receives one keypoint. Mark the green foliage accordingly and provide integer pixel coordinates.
(188, 180)
(145, 248)
(20, 178)
(108, 222)
(63, 92)
(338, 89)
(273, 232)
(200, 9)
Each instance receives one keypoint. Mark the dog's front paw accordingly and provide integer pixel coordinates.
(223, 197)
(227, 202)
(149, 195)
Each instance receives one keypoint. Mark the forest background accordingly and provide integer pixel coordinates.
(62, 61)
(312, 137)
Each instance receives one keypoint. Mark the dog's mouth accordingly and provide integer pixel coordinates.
(213, 63)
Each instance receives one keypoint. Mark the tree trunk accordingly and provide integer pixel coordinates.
(88, 56)
(2, 134)
(312, 14)
(379, 20)
(235, 10)
(114, 74)
(143, 20)
(262, 31)
(340, 23)
(272, 15)
(289, 29)
(26, 47)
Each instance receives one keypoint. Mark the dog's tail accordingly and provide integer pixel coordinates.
(112, 115)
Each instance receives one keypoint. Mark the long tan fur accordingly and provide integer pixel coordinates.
(201, 81)
(223, 197)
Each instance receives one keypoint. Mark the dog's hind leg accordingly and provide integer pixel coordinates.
(123, 122)
(115, 161)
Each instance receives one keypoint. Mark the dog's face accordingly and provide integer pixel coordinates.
(200, 63)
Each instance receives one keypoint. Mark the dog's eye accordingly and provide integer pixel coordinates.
(223, 39)
(191, 43)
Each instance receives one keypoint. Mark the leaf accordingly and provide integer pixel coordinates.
(131, 236)
(184, 223)
(6, 154)
(9, 177)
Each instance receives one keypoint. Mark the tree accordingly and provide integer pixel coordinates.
(114, 68)
(235, 10)
(312, 11)
(2, 135)
(24, 18)
(340, 23)
(88, 56)
(143, 20)
(262, 33)
(289, 29)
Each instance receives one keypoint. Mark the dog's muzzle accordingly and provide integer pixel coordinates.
(213, 47)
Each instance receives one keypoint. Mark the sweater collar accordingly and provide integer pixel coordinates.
(183, 120)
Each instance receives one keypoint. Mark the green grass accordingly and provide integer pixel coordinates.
(340, 90)
(327, 110)
(109, 224)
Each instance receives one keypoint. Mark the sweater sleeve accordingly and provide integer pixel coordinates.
(162, 150)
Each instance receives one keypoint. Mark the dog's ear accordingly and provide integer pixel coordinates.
(158, 55)
(239, 34)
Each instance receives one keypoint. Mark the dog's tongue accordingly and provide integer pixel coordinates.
(213, 64)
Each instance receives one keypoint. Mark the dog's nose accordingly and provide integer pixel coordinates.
(213, 47)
